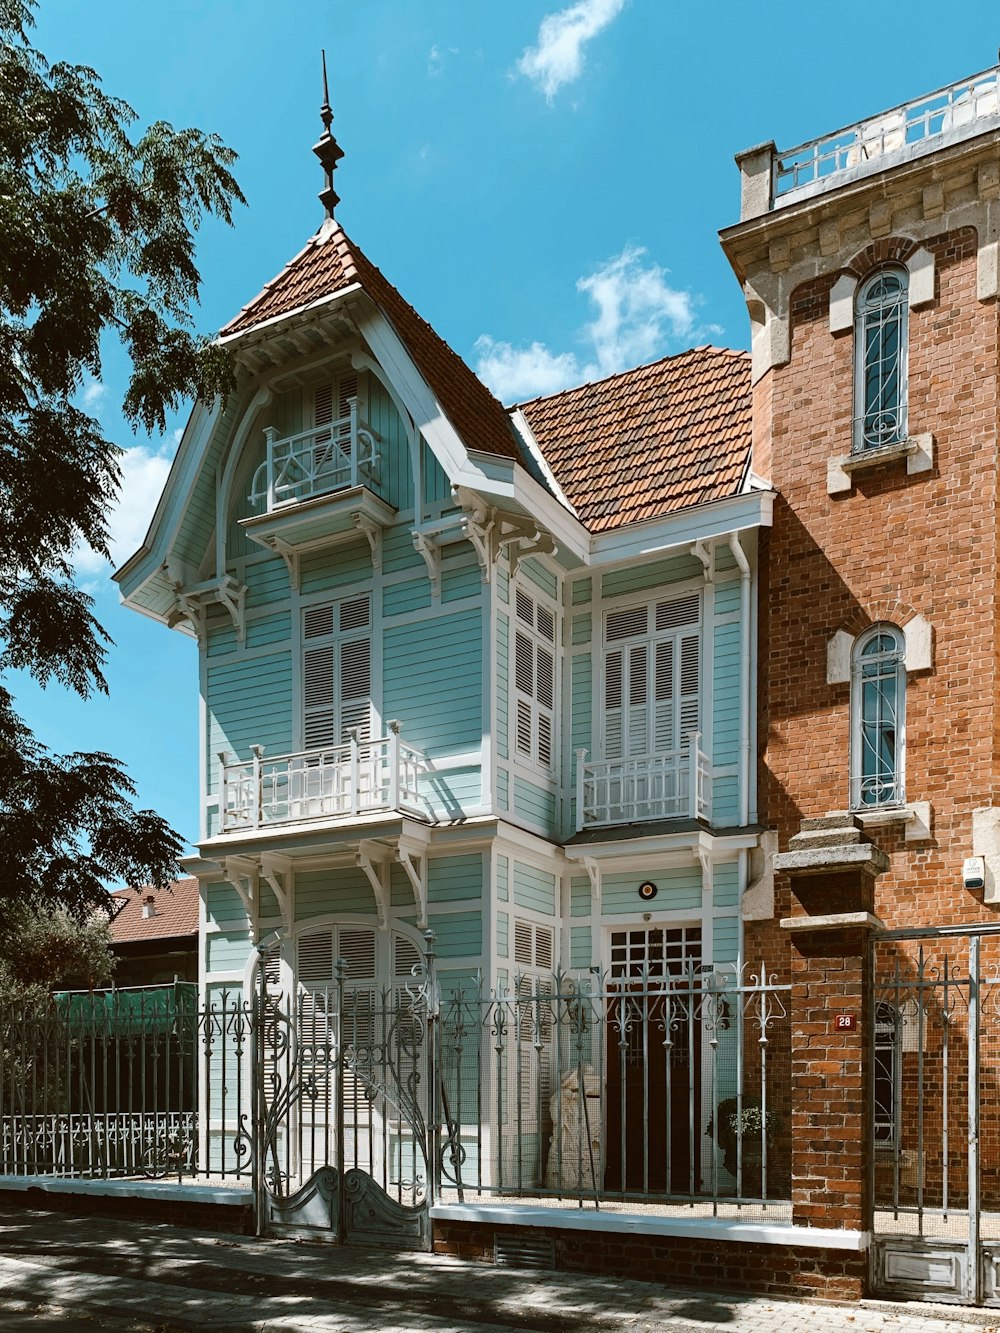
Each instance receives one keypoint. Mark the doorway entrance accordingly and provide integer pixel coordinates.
(652, 1061)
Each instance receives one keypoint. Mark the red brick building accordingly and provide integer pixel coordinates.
(869, 264)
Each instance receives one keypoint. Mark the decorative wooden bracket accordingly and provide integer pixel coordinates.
(429, 540)
(291, 558)
(704, 553)
(375, 859)
(373, 532)
(242, 874)
(191, 603)
(414, 863)
(594, 875)
(492, 530)
(277, 872)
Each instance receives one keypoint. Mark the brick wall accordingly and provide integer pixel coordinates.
(234, 1218)
(893, 546)
(707, 1265)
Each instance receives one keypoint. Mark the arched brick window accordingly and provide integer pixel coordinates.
(881, 317)
(878, 699)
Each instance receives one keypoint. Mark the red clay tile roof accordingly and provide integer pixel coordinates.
(176, 913)
(649, 441)
(329, 263)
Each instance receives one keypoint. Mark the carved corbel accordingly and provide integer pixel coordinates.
(594, 875)
(277, 874)
(242, 873)
(374, 859)
(373, 532)
(291, 560)
(431, 554)
(415, 867)
(519, 548)
(232, 595)
(703, 553)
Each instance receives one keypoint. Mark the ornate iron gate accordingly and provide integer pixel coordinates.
(342, 1080)
(935, 1034)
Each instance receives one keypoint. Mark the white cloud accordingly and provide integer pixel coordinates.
(637, 316)
(92, 393)
(144, 474)
(558, 56)
(436, 58)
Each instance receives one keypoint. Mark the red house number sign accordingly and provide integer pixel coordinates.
(846, 1022)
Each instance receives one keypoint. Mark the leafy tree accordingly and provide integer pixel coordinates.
(98, 228)
(42, 948)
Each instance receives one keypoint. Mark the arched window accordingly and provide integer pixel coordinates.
(878, 697)
(881, 316)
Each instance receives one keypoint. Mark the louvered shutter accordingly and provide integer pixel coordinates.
(689, 684)
(318, 693)
(524, 684)
(613, 701)
(664, 741)
(545, 691)
(637, 718)
(356, 689)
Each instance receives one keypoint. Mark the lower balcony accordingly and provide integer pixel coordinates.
(677, 785)
(336, 782)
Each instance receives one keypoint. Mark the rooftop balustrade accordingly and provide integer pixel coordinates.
(677, 785)
(772, 179)
(335, 782)
(332, 457)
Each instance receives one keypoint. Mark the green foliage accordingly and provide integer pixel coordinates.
(98, 229)
(43, 949)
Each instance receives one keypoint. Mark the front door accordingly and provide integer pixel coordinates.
(652, 1061)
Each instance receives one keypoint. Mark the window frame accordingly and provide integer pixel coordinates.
(894, 663)
(865, 317)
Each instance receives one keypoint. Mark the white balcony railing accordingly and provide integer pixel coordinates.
(658, 786)
(328, 458)
(960, 110)
(336, 782)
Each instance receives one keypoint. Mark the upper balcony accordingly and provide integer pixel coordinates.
(337, 782)
(645, 787)
(772, 179)
(317, 487)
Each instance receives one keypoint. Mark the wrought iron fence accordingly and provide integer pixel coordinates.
(649, 1085)
(645, 1084)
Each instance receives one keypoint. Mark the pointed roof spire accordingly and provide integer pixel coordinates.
(327, 150)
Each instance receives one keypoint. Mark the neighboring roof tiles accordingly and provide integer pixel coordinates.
(175, 913)
(649, 441)
(329, 263)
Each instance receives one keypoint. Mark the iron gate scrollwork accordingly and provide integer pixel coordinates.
(343, 1093)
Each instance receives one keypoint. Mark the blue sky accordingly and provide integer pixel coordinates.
(542, 179)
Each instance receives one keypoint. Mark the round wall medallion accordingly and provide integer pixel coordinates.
(647, 891)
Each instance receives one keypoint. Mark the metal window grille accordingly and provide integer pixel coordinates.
(880, 360)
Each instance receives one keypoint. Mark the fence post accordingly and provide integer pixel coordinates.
(395, 728)
(258, 791)
(433, 1004)
(355, 771)
(270, 435)
(694, 744)
(831, 864)
(340, 968)
(581, 756)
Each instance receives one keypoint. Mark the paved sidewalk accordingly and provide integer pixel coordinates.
(58, 1272)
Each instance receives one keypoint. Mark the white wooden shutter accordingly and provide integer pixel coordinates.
(318, 695)
(689, 684)
(637, 717)
(613, 701)
(664, 738)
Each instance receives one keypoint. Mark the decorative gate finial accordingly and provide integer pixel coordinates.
(327, 150)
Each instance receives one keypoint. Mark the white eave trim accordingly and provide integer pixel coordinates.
(752, 509)
(270, 327)
(524, 430)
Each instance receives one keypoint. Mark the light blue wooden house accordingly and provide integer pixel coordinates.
(485, 670)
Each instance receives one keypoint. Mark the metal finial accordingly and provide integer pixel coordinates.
(327, 150)
(325, 111)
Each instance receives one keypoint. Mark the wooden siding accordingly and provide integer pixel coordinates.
(394, 482)
(639, 578)
(726, 939)
(580, 896)
(503, 879)
(454, 878)
(679, 889)
(332, 570)
(580, 947)
(437, 487)
(266, 583)
(459, 934)
(535, 889)
(249, 703)
(725, 884)
(503, 921)
(346, 889)
(227, 952)
(224, 908)
(399, 599)
(535, 804)
(432, 682)
(269, 629)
